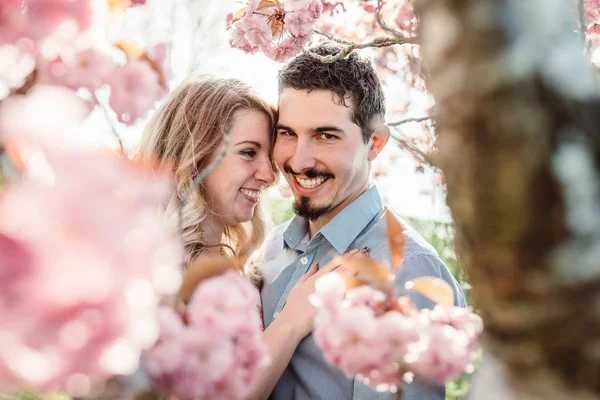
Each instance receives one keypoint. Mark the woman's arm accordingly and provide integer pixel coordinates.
(287, 330)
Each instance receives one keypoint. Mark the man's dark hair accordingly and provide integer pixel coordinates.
(351, 77)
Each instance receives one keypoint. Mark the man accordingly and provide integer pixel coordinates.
(330, 130)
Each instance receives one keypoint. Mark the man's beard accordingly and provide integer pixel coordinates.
(311, 212)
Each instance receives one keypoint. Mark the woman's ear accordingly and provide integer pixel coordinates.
(379, 138)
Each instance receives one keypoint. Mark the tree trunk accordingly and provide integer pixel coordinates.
(517, 120)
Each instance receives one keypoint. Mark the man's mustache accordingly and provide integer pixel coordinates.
(309, 173)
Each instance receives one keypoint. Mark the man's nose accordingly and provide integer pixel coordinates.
(302, 157)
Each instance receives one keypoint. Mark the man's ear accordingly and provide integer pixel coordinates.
(379, 138)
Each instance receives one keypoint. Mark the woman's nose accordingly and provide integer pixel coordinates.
(265, 173)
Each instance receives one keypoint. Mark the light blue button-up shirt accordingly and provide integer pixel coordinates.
(288, 253)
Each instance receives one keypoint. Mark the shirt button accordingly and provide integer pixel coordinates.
(276, 314)
(304, 260)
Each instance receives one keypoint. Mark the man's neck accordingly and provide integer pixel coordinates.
(315, 225)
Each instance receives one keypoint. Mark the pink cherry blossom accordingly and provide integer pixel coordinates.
(313, 7)
(43, 116)
(330, 6)
(299, 22)
(360, 332)
(135, 89)
(459, 318)
(370, 6)
(17, 65)
(217, 355)
(11, 21)
(85, 69)
(44, 17)
(591, 12)
(100, 258)
(137, 2)
(442, 354)
(237, 39)
(286, 49)
(256, 30)
(405, 19)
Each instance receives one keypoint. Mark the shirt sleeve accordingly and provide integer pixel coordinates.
(420, 265)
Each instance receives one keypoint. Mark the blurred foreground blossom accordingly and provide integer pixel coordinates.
(384, 341)
(135, 89)
(218, 353)
(85, 259)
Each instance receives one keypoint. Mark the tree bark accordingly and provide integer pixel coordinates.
(517, 120)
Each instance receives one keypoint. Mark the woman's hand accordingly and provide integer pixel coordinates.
(298, 311)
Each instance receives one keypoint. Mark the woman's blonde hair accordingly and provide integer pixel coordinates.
(183, 136)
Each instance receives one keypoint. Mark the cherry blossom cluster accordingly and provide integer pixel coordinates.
(84, 260)
(52, 42)
(278, 28)
(592, 16)
(217, 352)
(385, 341)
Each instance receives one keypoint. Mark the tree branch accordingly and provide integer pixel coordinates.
(418, 154)
(332, 38)
(113, 129)
(377, 42)
(382, 23)
(407, 120)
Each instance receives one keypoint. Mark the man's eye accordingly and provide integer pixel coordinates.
(327, 136)
(286, 133)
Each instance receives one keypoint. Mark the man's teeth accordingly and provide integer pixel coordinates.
(255, 194)
(310, 183)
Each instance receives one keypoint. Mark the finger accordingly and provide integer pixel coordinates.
(347, 271)
(331, 265)
(311, 271)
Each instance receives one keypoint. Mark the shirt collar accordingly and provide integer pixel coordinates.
(345, 227)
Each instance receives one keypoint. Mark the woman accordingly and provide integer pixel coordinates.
(222, 215)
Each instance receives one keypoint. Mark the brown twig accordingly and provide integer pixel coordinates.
(332, 38)
(418, 154)
(382, 23)
(378, 42)
(408, 120)
(113, 129)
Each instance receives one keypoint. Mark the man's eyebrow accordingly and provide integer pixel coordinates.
(328, 128)
(280, 127)
(249, 142)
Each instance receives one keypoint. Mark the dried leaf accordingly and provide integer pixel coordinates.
(131, 50)
(135, 52)
(434, 288)
(395, 233)
(268, 4)
(353, 282)
(205, 267)
(117, 6)
(14, 154)
(239, 14)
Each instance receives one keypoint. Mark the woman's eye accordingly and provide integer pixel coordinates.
(248, 153)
